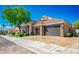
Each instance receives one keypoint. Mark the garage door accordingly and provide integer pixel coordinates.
(53, 30)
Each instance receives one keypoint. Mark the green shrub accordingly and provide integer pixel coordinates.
(78, 34)
(13, 33)
(26, 34)
(19, 34)
(68, 34)
(2, 33)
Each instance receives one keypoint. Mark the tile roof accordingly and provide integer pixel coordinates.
(48, 21)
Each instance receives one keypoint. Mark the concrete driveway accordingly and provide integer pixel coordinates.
(61, 41)
(8, 47)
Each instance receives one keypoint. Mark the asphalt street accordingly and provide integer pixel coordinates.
(8, 47)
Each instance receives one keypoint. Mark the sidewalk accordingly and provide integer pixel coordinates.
(41, 47)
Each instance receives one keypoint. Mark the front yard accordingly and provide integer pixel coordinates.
(61, 41)
(47, 44)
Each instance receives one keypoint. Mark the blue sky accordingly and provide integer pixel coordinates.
(65, 12)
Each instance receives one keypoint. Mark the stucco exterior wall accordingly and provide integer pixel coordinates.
(63, 27)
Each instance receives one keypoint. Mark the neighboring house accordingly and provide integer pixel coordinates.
(48, 26)
(10, 31)
(13, 30)
(16, 29)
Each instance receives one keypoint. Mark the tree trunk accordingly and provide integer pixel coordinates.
(19, 28)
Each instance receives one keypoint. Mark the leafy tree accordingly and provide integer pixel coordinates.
(16, 16)
(76, 25)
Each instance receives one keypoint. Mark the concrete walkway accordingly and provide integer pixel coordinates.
(41, 47)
